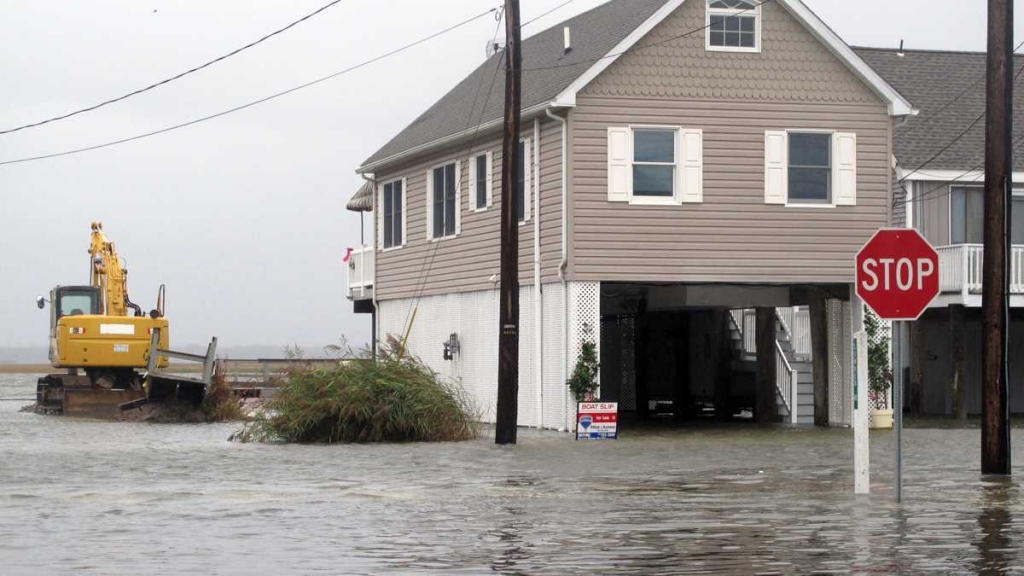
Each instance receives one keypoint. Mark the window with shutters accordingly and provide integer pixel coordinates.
(393, 214)
(481, 182)
(655, 165)
(443, 209)
(806, 168)
(733, 26)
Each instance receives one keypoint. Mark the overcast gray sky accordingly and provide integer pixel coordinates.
(243, 217)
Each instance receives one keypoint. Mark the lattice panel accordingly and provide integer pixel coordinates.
(584, 318)
(879, 361)
(840, 368)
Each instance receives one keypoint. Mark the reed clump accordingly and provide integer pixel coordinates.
(358, 400)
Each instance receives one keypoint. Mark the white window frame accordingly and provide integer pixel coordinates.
(405, 215)
(831, 167)
(489, 163)
(429, 186)
(675, 199)
(755, 13)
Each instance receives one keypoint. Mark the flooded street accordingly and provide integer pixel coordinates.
(121, 498)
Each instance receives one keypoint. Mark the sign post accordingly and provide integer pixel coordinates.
(898, 277)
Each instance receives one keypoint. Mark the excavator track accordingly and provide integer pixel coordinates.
(80, 395)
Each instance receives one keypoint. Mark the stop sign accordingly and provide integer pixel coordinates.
(898, 274)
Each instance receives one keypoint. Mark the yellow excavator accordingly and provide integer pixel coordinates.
(112, 352)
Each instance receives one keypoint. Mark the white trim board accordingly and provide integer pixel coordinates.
(948, 176)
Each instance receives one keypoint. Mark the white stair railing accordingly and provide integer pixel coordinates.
(786, 379)
(786, 382)
(785, 316)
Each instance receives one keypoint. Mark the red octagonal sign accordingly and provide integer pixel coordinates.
(898, 274)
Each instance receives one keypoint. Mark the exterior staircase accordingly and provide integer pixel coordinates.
(794, 384)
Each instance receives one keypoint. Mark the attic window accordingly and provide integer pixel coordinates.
(733, 26)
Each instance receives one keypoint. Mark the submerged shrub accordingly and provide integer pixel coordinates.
(391, 400)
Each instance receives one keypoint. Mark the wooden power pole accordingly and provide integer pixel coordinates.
(995, 405)
(508, 308)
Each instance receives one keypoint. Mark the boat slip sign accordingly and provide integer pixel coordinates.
(597, 420)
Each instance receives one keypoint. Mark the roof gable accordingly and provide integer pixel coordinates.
(553, 77)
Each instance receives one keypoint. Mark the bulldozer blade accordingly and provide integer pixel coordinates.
(185, 390)
(97, 403)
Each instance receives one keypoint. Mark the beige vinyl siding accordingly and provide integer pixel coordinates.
(732, 236)
(465, 263)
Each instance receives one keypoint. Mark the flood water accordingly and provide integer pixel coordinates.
(128, 498)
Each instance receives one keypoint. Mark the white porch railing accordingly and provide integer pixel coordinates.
(360, 273)
(802, 333)
(961, 269)
(785, 316)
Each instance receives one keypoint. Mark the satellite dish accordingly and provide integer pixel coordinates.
(492, 48)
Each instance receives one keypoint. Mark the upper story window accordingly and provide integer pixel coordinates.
(443, 201)
(393, 213)
(967, 216)
(655, 165)
(734, 25)
(481, 182)
(810, 168)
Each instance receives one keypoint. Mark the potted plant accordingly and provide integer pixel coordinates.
(879, 372)
(583, 381)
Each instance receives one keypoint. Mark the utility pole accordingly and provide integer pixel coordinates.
(508, 308)
(995, 405)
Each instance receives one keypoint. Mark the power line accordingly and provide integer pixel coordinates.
(172, 78)
(946, 106)
(426, 266)
(254, 102)
(955, 140)
(926, 196)
(559, 7)
(638, 48)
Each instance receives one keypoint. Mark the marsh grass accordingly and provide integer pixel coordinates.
(391, 400)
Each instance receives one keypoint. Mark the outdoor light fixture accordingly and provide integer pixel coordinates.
(451, 346)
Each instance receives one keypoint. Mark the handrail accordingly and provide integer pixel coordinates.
(785, 318)
(786, 382)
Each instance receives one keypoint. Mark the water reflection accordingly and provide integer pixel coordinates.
(995, 521)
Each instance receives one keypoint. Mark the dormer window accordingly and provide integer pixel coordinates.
(734, 26)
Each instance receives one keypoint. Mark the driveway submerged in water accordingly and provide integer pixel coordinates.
(86, 496)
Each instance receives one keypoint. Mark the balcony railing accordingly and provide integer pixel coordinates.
(360, 273)
(961, 269)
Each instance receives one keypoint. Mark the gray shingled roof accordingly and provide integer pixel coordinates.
(362, 201)
(594, 34)
(930, 80)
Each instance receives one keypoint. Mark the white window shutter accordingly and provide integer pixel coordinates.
(620, 181)
(527, 161)
(691, 165)
(490, 178)
(776, 167)
(430, 205)
(378, 217)
(405, 212)
(458, 197)
(844, 169)
(472, 184)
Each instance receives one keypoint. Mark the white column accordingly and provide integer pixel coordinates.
(861, 465)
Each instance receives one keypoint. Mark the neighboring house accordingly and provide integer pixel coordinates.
(688, 161)
(939, 177)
